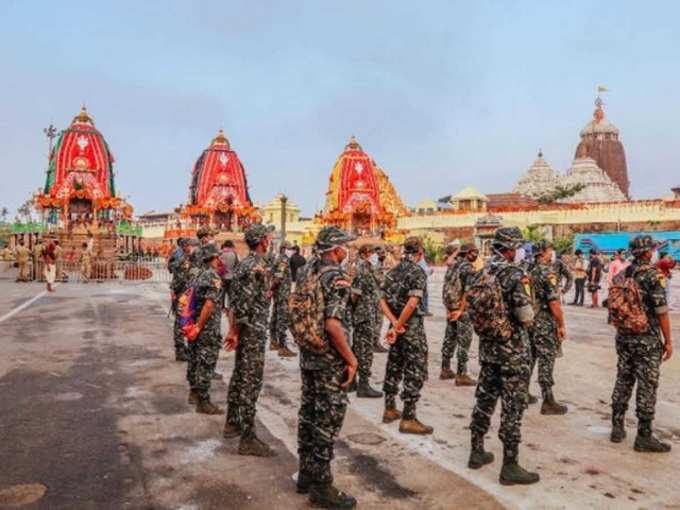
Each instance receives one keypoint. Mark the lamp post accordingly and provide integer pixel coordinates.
(284, 202)
(50, 132)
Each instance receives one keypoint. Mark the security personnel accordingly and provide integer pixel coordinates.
(180, 266)
(505, 365)
(207, 338)
(640, 356)
(404, 288)
(281, 285)
(326, 377)
(250, 294)
(22, 255)
(548, 329)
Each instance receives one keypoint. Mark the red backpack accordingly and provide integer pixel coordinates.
(625, 304)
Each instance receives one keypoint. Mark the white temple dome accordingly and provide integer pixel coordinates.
(538, 180)
(598, 186)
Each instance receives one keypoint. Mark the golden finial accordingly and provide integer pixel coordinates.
(353, 144)
(220, 139)
(83, 116)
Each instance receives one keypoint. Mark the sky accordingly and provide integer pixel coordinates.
(441, 94)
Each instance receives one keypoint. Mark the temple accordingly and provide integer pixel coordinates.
(360, 196)
(218, 193)
(80, 186)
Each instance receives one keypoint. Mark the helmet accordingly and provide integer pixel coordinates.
(640, 244)
(210, 251)
(331, 237)
(508, 238)
(541, 246)
(255, 233)
(467, 248)
(413, 245)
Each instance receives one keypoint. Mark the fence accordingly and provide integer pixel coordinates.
(148, 269)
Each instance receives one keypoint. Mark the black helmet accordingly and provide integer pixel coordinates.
(641, 244)
(508, 238)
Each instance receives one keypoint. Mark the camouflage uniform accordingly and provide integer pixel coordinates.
(639, 356)
(543, 333)
(505, 366)
(379, 272)
(458, 333)
(179, 267)
(282, 286)
(205, 349)
(324, 402)
(407, 358)
(365, 287)
(250, 304)
(563, 273)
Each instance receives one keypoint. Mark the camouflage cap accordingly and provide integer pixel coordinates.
(366, 248)
(286, 245)
(642, 243)
(205, 232)
(541, 246)
(380, 250)
(183, 241)
(413, 245)
(467, 248)
(255, 233)
(330, 237)
(210, 251)
(508, 238)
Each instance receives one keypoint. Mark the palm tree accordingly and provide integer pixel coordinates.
(3, 213)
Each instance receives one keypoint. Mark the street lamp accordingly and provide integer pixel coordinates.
(284, 202)
(50, 132)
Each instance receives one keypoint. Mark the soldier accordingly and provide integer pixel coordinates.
(379, 270)
(85, 263)
(37, 259)
(365, 298)
(640, 356)
(458, 325)
(548, 329)
(250, 297)
(281, 291)
(404, 287)
(22, 255)
(326, 377)
(207, 338)
(505, 365)
(180, 266)
(565, 278)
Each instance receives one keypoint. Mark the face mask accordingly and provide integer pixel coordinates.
(373, 259)
(655, 257)
(212, 241)
(553, 257)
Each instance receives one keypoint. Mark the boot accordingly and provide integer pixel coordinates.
(478, 456)
(285, 352)
(550, 405)
(231, 430)
(274, 346)
(193, 397)
(378, 348)
(413, 426)
(253, 446)
(532, 399)
(462, 379)
(446, 374)
(514, 474)
(204, 406)
(618, 425)
(217, 376)
(364, 390)
(391, 413)
(324, 495)
(646, 442)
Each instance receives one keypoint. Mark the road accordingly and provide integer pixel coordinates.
(93, 415)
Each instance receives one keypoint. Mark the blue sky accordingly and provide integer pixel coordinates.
(441, 94)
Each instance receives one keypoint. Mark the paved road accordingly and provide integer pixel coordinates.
(93, 416)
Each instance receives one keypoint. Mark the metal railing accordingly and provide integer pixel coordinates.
(148, 269)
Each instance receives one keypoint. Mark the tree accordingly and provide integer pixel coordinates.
(564, 244)
(533, 233)
(3, 214)
(560, 193)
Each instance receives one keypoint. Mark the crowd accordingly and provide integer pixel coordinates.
(335, 310)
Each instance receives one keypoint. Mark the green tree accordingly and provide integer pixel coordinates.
(533, 233)
(560, 193)
(564, 244)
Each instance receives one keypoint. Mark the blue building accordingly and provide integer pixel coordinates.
(610, 242)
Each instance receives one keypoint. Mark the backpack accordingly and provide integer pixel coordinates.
(487, 308)
(625, 305)
(452, 291)
(187, 312)
(306, 309)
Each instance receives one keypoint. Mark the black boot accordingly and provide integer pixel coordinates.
(646, 442)
(478, 456)
(324, 495)
(618, 425)
(364, 390)
(512, 473)
(550, 406)
(304, 482)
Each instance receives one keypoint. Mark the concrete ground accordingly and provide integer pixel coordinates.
(93, 415)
